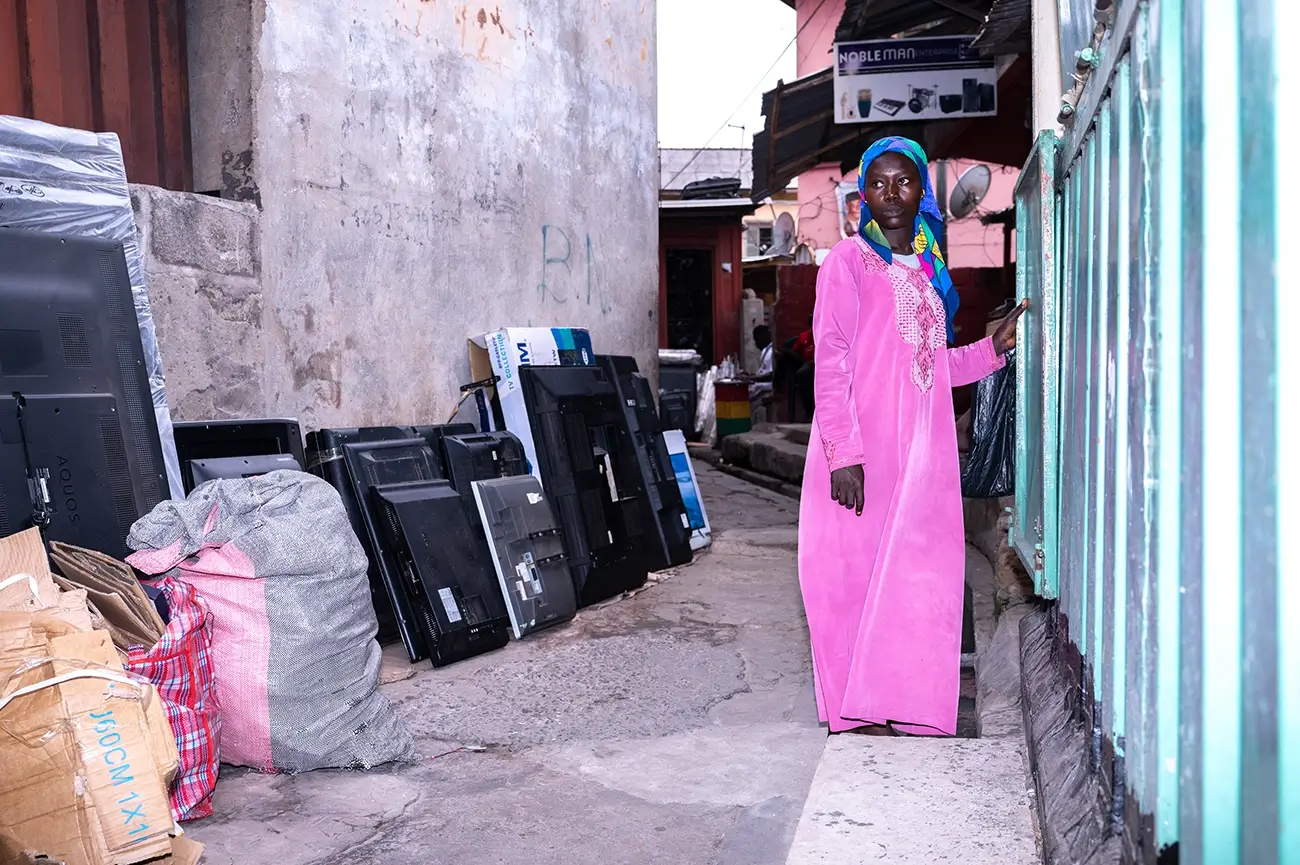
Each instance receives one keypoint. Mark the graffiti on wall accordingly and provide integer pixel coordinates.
(570, 271)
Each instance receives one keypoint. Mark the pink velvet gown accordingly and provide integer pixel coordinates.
(883, 591)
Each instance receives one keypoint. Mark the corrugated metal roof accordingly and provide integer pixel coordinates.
(1007, 29)
(679, 167)
(881, 19)
(708, 204)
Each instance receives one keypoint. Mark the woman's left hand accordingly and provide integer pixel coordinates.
(1004, 338)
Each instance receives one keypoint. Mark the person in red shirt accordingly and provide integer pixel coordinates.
(797, 355)
(803, 346)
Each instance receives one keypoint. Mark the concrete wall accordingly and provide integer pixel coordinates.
(202, 266)
(427, 171)
(220, 39)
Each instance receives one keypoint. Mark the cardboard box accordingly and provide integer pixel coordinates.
(12, 852)
(113, 591)
(86, 752)
(503, 351)
(25, 580)
(26, 584)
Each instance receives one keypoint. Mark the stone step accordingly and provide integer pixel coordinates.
(768, 451)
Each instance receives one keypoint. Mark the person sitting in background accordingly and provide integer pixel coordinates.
(803, 352)
(760, 382)
(804, 344)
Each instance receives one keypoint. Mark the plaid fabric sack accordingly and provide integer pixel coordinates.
(179, 666)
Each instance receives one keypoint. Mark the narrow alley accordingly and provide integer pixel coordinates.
(675, 726)
(441, 433)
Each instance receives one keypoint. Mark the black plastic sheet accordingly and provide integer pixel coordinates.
(990, 471)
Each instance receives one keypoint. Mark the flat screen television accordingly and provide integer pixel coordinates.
(221, 439)
(670, 544)
(527, 548)
(374, 464)
(429, 539)
(80, 453)
(234, 468)
(325, 460)
(590, 474)
(480, 457)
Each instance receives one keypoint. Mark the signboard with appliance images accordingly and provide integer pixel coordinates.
(930, 78)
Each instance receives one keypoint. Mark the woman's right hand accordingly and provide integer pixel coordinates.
(846, 488)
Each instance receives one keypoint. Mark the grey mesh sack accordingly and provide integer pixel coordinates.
(293, 643)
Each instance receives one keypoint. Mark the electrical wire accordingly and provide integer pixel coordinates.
(751, 92)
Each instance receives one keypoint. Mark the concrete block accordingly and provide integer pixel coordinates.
(780, 458)
(998, 668)
(205, 291)
(768, 452)
(202, 232)
(799, 433)
(736, 448)
(917, 802)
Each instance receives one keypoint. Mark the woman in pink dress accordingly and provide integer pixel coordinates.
(881, 542)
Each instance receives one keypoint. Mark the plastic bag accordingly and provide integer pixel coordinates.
(293, 626)
(991, 469)
(706, 421)
(180, 668)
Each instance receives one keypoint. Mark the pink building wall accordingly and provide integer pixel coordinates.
(970, 244)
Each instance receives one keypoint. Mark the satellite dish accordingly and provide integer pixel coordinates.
(782, 235)
(970, 190)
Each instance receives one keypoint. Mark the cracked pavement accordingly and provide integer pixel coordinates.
(674, 726)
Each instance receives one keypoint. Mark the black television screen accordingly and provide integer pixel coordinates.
(79, 445)
(670, 542)
(430, 542)
(325, 460)
(375, 464)
(234, 468)
(221, 439)
(480, 457)
(589, 471)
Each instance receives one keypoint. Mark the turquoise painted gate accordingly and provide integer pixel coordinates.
(1154, 478)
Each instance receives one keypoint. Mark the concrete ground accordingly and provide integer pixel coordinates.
(676, 726)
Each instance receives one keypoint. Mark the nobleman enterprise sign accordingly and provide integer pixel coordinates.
(912, 79)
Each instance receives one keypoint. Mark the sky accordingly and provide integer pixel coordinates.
(711, 54)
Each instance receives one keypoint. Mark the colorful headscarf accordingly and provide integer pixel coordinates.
(929, 222)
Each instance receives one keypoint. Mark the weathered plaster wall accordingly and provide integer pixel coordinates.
(219, 34)
(427, 171)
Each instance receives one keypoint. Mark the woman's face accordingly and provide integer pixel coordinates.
(893, 191)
